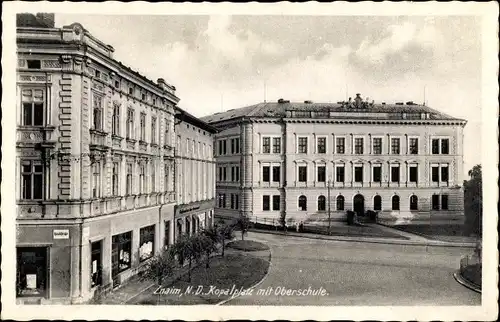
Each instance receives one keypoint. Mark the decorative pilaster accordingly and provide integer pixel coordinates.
(65, 134)
(246, 136)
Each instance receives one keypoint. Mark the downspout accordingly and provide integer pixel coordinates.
(80, 277)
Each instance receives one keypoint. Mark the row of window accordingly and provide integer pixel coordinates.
(222, 174)
(222, 146)
(439, 146)
(439, 173)
(439, 202)
(195, 148)
(130, 181)
(234, 201)
(132, 90)
(98, 119)
(32, 179)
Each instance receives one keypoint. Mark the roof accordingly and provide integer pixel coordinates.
(280, 109)
(193, 120)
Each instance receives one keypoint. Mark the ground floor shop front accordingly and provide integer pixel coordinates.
(69, 261)
(193, 217)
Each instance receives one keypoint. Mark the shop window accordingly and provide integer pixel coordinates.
(121, 253)
(146, 242)
(31, 271)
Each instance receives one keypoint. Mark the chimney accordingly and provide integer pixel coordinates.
(161, 83)
(48, 19)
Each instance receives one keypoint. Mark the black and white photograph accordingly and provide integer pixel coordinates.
(254, 161)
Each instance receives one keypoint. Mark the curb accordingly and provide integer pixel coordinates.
(461, 280)
(373, 240)
(256, 284)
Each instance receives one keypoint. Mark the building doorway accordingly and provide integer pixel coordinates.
(359, 204)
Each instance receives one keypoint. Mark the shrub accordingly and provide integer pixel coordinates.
(372, 215)
(350, 217)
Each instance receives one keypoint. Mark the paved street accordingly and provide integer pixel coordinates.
(355, 273)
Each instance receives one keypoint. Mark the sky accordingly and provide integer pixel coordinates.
(223, 62)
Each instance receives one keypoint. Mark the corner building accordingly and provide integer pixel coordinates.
(195, 174)
(95, 164)
(403, 160)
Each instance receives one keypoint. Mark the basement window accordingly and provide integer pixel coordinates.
(34, 64)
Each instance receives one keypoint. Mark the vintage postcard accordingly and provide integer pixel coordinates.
(250, 161)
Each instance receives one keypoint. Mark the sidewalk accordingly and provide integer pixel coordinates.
(135, 286)
(125, 292)
(410, 239)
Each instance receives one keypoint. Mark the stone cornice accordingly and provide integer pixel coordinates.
(85, 51)
(241, 120)
(374, 122)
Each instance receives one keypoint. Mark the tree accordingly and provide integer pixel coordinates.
(473, 201)
(226, 232)
(243, 223)
(160, 266)
(214, 233)
(208, 246)
(181, 249)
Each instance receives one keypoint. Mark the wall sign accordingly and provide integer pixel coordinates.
(60, 233)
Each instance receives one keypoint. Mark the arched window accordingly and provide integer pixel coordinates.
(413, 202)
(377, 203)
(395, 202)
(303, 203)
(340, 203)
(321, 203)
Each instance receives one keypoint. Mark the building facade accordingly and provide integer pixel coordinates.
(195, 174)
(307, 161)
(95, 164)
